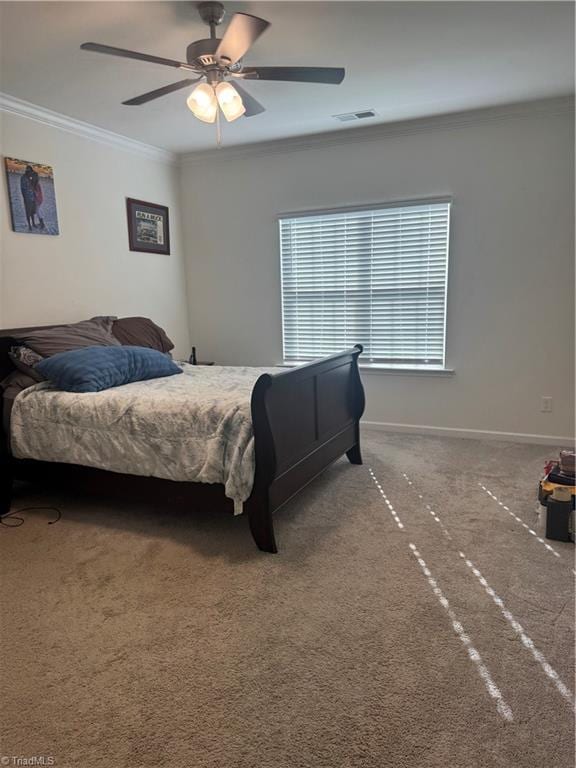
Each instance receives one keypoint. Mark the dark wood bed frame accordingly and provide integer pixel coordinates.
(304, 419)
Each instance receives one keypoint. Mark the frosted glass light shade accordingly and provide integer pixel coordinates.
(230, 101)
(202, 103)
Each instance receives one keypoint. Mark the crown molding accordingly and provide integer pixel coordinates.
(338, 138)
(544, 107)
(15, 106)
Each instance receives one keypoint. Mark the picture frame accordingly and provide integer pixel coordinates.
(148, 226)
(32, 197)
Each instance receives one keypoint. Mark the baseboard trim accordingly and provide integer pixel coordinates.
(478, 434)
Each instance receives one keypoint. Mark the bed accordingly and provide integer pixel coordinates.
(302, 420)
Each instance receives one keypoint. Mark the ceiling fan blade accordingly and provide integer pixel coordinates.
(112, 51)
(328, 75)
(151, 95)
(253, 106)
(240, 36)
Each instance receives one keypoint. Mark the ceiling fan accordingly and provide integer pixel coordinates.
(218, 63)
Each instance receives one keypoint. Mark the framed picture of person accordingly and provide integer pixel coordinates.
(148, 227)
(32, 197)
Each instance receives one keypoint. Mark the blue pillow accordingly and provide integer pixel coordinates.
(92, 369)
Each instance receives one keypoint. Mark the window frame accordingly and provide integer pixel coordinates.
(385, 368)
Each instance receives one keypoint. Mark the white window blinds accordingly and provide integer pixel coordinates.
(375, 277)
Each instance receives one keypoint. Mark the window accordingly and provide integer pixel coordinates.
(376, 277)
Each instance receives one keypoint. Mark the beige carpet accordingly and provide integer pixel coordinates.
(136, 636)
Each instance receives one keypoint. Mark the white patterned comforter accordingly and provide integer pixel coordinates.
(191, 427)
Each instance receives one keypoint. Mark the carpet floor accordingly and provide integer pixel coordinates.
(415, 617)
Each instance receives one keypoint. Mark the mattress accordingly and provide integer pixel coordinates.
(195, 427)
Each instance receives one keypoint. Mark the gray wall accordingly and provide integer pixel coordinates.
(88, 269)
(511, 300)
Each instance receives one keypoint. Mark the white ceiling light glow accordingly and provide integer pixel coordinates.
(204, 100)
(230, 101)
(202, 103)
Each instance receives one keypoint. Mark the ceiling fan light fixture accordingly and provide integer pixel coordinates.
(215, 60)
(230, 101)
(202, 103)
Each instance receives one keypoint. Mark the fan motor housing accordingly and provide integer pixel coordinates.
(201, 52)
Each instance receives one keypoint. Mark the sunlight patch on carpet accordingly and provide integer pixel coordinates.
(527, 642)
(524, 525)
(391, 509)
(502, 707)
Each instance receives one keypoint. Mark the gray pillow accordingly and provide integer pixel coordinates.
(141, 332)
(96, 332)
(25, 359)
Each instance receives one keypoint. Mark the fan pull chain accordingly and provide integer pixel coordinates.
(218, 130)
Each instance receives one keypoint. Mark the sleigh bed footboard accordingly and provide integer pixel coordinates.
(304, 419)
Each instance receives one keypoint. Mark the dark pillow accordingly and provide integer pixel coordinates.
(11, 386)
(25, 359)
(6, 365)
(93, 369)
(16, 382)
(141, 332)
(96, 332)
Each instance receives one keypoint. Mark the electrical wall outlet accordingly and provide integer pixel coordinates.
(546, 404)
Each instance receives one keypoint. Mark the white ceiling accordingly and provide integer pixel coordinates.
(403, 59)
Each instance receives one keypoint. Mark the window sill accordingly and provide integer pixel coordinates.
(402, 370)
(394, 370)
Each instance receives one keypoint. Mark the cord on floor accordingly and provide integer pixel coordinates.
(18, 521)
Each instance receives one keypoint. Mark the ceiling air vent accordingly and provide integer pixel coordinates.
(348, 117)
